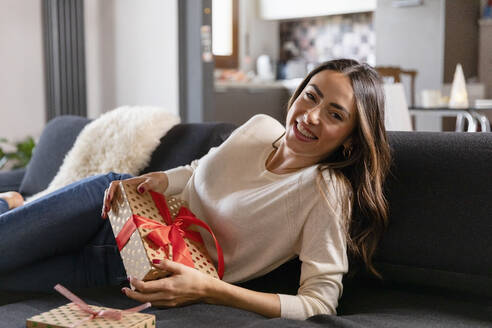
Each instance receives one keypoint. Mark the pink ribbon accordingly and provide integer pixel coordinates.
(109, 314)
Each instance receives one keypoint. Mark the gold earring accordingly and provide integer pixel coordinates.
(347, 152)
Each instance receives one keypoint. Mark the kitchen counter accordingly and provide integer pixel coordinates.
(236, 102)
(291, 85)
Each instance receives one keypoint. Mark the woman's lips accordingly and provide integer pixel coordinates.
(301, 136)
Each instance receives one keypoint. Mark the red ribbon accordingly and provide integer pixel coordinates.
(173, 233)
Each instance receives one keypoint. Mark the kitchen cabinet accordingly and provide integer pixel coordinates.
(288, 9)
(237, 104)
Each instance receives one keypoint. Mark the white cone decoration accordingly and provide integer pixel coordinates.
(459, 96)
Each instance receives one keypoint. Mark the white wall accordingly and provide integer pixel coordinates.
(413, 38)
(22, 98)
(131, 57)
(131, 54)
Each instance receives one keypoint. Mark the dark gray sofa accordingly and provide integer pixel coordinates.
(436, 257)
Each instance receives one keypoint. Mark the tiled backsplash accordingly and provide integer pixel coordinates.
(315, 40)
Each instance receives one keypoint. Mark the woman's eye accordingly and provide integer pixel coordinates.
(336, 116)
(310, 96)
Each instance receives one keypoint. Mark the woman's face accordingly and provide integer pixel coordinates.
(322, 117)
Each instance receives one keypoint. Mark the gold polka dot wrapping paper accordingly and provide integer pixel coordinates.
(139, 250)
(80, 314)
(70, 315)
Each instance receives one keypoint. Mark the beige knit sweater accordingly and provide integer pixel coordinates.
(262, 219)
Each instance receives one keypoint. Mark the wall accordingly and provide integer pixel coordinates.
(485, 60)
(256, 36)
(461, 38)
(314, 40)
(482, 6)
(22, 98)
(412, 38)
(131, 54)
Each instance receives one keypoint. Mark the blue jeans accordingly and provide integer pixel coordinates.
(61, 238)
(4, 206)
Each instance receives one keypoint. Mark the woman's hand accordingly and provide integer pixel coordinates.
(185, 286)
(156, 181)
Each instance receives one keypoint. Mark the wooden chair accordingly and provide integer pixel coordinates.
(395, 73)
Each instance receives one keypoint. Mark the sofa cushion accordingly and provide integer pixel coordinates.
(56, 140)
(439, 198)
(187, 142)
(361, 306)
(394, 305)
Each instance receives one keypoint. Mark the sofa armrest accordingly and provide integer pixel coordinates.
(55, 142)
(11, 180)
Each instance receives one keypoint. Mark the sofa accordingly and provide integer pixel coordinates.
(435, 258)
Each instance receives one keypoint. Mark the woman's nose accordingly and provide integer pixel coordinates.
(312, 116)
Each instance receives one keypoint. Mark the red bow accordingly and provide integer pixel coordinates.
(172, 233)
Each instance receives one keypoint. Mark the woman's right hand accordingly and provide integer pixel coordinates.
(156, 181)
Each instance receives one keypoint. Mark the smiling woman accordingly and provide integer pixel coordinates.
(336, 119)
(320, 119)
(267, 198)
(334, 138)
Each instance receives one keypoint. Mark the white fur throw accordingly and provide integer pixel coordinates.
(121, 141)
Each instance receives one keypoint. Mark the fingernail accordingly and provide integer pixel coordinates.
(141, 189)
(123, 290)
(156, 261)
(129, 278)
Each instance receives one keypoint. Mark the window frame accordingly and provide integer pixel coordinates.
(232, 60)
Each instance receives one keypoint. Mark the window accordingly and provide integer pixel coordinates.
(224, 33)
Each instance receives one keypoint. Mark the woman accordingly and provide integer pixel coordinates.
(268, 193)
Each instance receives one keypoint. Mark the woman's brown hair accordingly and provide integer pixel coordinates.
(364, 166)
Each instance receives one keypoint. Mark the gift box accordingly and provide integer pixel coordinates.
(80, 314)
(70, 315)
(151, 226)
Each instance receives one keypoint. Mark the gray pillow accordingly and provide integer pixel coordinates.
(56, 140)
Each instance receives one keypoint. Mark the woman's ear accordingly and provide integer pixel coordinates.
(347, 148)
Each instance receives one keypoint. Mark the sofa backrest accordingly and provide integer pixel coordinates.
(186, 142)
(182, 144)
(440, 200)
(440, 226)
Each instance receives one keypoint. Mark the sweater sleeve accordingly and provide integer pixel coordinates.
(324, 261)
(179, 176)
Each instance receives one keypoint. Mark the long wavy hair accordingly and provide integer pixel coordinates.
(362, 169)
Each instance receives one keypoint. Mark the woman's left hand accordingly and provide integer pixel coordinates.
(184, 286)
